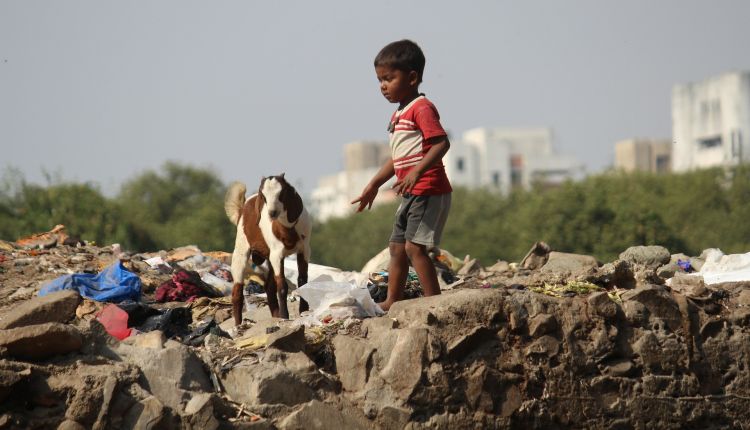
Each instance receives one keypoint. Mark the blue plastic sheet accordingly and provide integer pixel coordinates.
(113, 284)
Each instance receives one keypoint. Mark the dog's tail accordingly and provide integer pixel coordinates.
(234, 200)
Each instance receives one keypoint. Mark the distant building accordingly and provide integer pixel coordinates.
(496, 158)
(645, 155)
(711, 122)
(332, 196)
(507, 158)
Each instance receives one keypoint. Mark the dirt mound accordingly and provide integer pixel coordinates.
(564, 342)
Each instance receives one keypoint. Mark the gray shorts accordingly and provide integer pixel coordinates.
(420, 219)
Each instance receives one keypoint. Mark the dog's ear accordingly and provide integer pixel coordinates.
(292, 204)
(260, 200)
(281, 175)
(260, 187)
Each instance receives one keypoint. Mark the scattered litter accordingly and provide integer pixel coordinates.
(44, 240)
(254, 287)
(720, 267)
(115, 321)
(172, 322)
(685, 265)
(570, 289)
(254, 342)
(158, 263)
(22, 261)
(7, 246)
(241, 411)
(221, 272)
(317, 272)
(137, 312)
(615, 294)
(215, 275)
(185, 286)
(314, 336)
(338, 300)
(220, 256)
(453, 285)
(445, 258)
(378, 287)
(113, 284)
(182, 253)
(198, 335)
(205, 305)
(221, 284)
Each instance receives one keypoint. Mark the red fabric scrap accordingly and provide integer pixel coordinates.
(185, 286)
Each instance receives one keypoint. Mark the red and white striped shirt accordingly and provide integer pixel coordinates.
(409, 130)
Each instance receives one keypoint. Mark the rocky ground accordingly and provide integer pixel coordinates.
(555, 341)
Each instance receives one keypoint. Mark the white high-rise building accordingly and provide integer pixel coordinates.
(711, 122)
(507, 158)
(496, 158)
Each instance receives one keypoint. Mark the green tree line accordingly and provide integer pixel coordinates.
(601, 215)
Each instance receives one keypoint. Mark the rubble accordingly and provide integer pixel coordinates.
(56, 307)
(565, 262)
(36, 342)
(649, 256)
(555, 341)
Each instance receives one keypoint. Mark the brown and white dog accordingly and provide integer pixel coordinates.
(271, 225)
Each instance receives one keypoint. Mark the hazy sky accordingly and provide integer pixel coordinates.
(101, 90)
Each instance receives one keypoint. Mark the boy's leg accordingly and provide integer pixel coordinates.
(398, 269)
(427, 218)
(425, 268)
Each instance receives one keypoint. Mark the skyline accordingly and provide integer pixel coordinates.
(101, 91)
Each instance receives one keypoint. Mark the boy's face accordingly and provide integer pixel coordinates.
(397, 85)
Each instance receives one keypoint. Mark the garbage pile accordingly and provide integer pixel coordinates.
(94, 337)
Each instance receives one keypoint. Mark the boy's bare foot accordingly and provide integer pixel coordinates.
(385, 305)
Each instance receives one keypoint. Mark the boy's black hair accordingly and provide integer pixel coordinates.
(403, 55)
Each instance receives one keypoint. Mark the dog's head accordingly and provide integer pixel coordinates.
(279, 199)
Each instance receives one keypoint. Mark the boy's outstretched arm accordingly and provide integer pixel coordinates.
(439, 147)
(385, 173)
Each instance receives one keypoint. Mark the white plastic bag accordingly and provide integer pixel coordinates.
(318, 273)
(220, 284)
(339, 300)
(725, 268)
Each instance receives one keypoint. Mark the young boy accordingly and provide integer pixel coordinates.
(418, 144)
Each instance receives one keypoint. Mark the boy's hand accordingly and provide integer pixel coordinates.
(366, 198)
(407, 183)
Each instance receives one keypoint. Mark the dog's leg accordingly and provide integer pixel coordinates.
(283, 291)
(302, 279)
(276, 261)
(270, 287)
(237, 303)
(239, 263)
